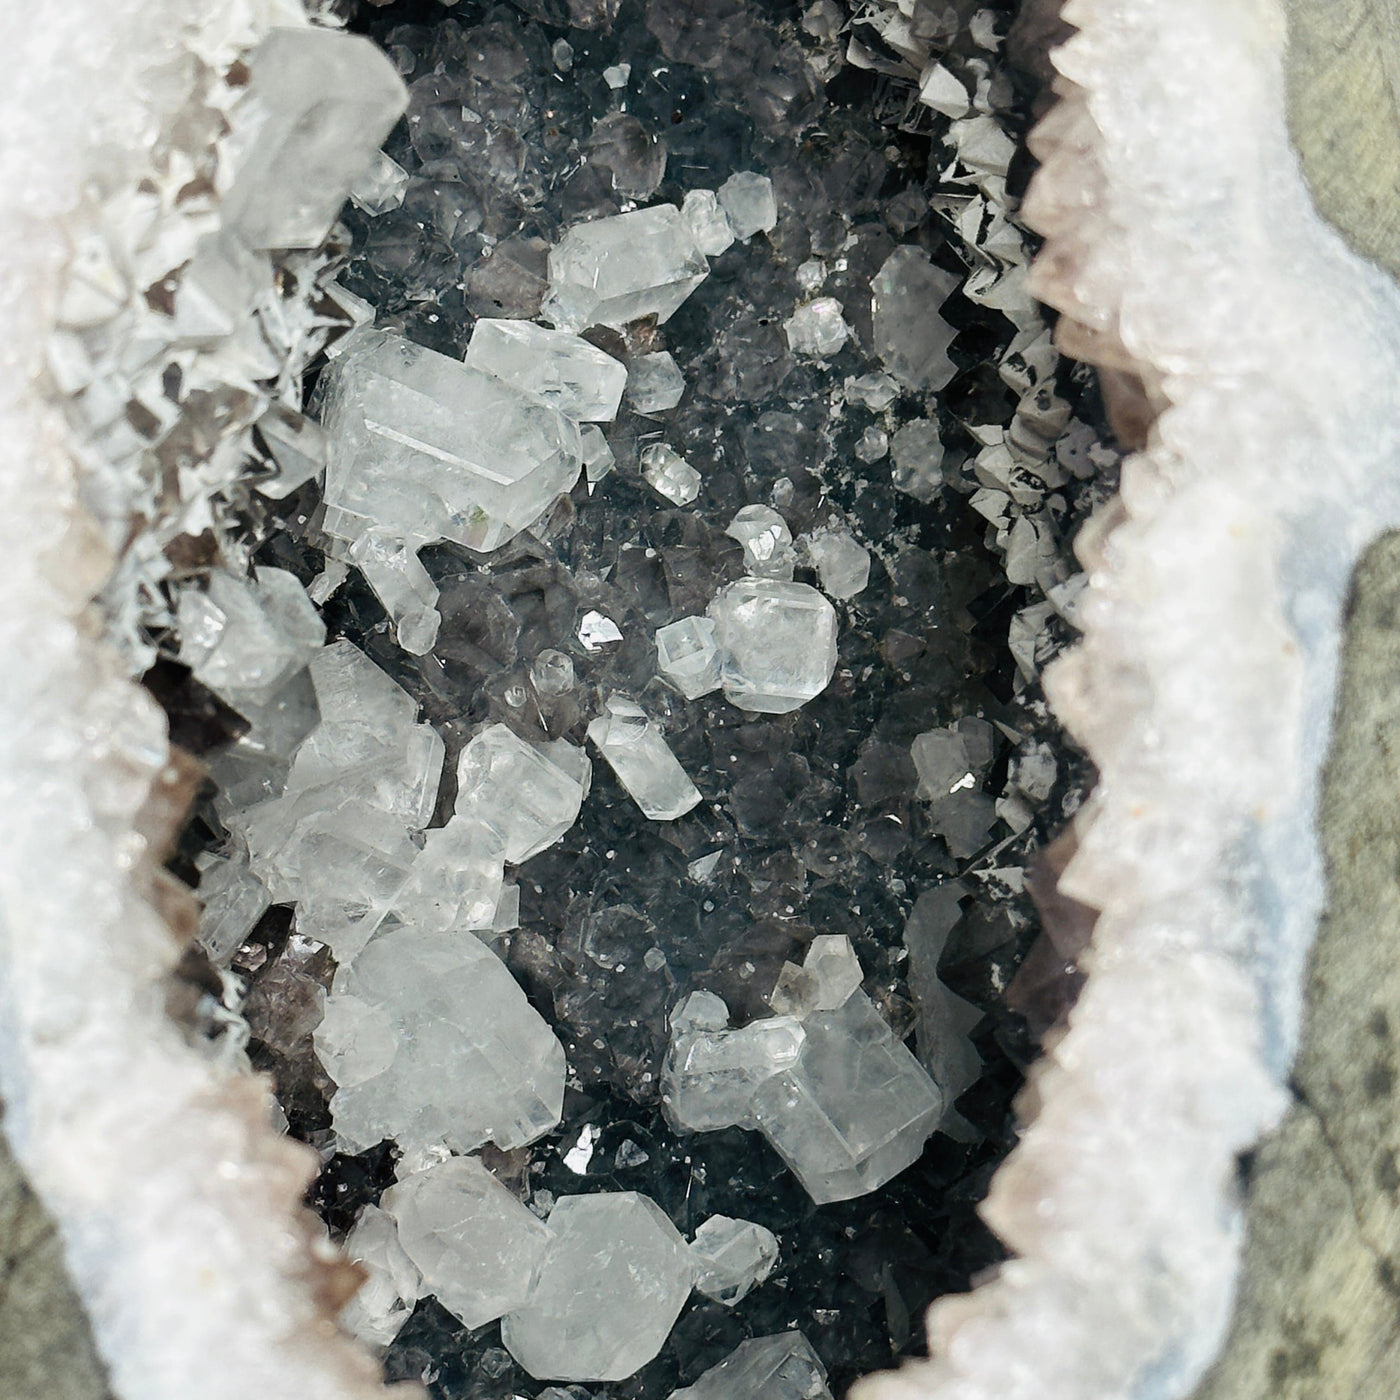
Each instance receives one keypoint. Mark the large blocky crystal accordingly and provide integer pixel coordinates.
(910, 337)
(732, 1257)
(687, 656)
(475, 1245)
(428, 448)
(607, 1292)
(528, 794)
(778, 641)
(618, 269)
(856, 1108)
(563, 369)
(783, 1367)
(318, 106)
(473, 1060)
(644, 764)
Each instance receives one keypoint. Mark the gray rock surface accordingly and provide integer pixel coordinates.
(46, 1348)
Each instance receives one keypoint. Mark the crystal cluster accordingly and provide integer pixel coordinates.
(783, 1367)
(843, 1102)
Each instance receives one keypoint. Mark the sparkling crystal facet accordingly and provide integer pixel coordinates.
(563, 369)
(778, 641)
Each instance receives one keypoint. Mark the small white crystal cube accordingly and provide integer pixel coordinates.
(778, 641)
(687, 656)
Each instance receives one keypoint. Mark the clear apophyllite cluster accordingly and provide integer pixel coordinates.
(636, 435)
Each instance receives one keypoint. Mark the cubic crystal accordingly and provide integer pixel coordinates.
(778, 641)
(521, 791)
(843, 565)
(644, 764)
(669, 474)
(607, 1292)
(687, 656)
(564, 370)
(817, 328)
(911, 339)
(767, 541)
(654, 384)
(381, 188)
(856, 1108)
(708, 222)
(732, 1257)
(917, 450)
(475, 1245)
(783, 1367)
(429, 448)
(473, 1062)
(619, 269)
(748, 202)
(317, 108)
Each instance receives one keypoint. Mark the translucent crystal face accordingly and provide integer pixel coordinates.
(562, 369)
(637, 752)
(783, 1367)
(778, 641)
(433, 449)
(620, 269)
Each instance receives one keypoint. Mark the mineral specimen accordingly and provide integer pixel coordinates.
(392, 1285)
(603, 1299)
(564, 370)
(687, 656)
(783, 1367)
(732, 1257)
(317, 108)
(829, 975)
(646, 767)
(708, 222)
(766, 540)
(528, 794)
(748, 203)
(619, 269)
(843, 565)
(432, 449)
(669, 474)
(473, 1061)
(474, 1244)
(778, 643)
(654, 384)
(910, 338)
(817, 328)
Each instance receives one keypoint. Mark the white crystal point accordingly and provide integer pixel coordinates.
(355, 1040)
(855, 1109)
(476, 1246)
(598, 459)
(577, 378)
(766, 540)
(474, 1061)
(428, 448)
(641, 758)
(843, 565)
(391, 567)
(783, 1367)
(669, 474)
(318, 107)
(708, 222)
(607, 1293)
(620, 268)
(687, 656)
(385, 1299)
(732, 1257)
(654, 383)
(245, 639)
(817, 329)
(522, 792)
(911, 339)
(710, 1073)
(778, 641)
(748, 202)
